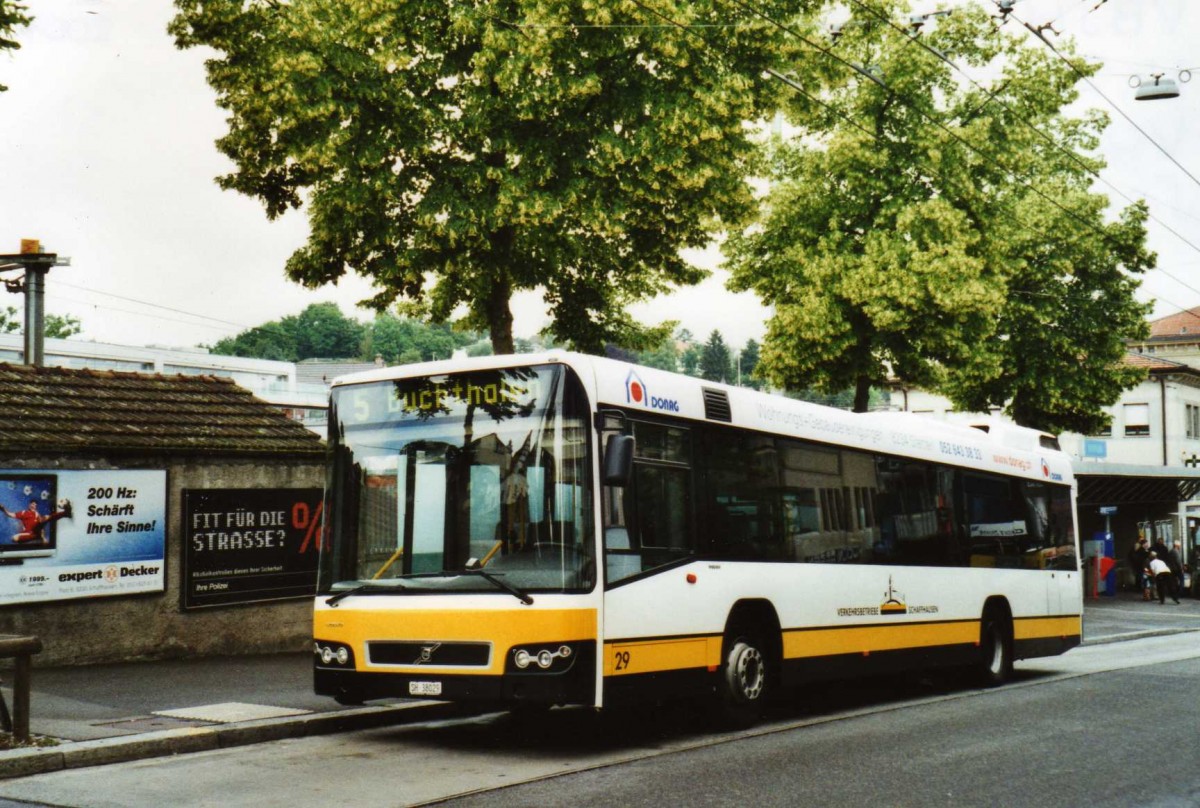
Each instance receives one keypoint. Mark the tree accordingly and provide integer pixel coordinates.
(268, 341)
(56, 326)
(716, 362)
(320, 331)
(12, 16)
(62, 326)
(747, 362)
(913, 229)
(456, 153)
(402, 340)
(665, 356)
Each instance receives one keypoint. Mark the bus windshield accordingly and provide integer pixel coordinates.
(468, 482)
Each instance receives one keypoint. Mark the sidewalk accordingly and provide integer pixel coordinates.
(111, 713)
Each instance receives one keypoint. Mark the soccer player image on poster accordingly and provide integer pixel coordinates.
(28, 504)
(77, 534)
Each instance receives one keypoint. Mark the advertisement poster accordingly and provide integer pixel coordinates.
(81, 534)
(243, 545)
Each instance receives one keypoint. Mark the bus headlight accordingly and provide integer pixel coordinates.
(554, 657)
(332, 655)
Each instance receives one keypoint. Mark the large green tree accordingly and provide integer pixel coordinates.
(456, 153)
(320, 331)
(400, 340)
(716, 360)
(12, 16)
(927, 228)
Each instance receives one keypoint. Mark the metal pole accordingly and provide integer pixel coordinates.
(35, 315)
(20, 713)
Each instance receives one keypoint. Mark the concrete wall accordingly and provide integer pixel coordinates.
(154, 626)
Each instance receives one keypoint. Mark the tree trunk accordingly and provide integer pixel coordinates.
(499, 315)
(862, 394)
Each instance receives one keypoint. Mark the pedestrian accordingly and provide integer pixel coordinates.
(1139, 557)
(1175, 562)
(1164, 579)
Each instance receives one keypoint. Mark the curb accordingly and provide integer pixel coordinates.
(1137, 635)
(77, 755)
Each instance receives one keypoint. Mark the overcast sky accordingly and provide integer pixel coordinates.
(107, 156)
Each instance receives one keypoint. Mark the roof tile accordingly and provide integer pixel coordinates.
(67, 410)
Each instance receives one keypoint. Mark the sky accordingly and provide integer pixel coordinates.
(107, 156)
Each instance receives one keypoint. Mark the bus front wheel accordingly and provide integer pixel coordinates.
(743, 678)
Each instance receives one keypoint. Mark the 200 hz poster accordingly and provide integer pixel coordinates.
(68, 534)
(244, 545)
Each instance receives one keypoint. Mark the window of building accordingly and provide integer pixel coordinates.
(1137, 420)
(1192, 413)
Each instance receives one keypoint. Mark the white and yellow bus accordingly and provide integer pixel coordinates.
(564, 529)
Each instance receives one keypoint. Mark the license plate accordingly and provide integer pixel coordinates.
(424, 688)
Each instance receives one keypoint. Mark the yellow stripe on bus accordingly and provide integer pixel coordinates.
(502, 628)
(651, 656)
(1034, 628)
(868, 639)
(668, 654)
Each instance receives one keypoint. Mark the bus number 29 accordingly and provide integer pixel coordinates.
(622, 659)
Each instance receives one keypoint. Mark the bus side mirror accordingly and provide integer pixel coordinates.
(618, 460)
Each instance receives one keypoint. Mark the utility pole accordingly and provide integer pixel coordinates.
(33, 283)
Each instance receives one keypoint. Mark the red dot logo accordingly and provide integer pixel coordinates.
(635, 390)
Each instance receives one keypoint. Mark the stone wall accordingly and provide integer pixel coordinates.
(154, 626)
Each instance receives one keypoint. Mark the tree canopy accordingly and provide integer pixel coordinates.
(57, 326)
(12, 17)
(455, 153)
(322, 331)
(925, 228)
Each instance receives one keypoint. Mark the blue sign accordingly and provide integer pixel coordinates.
(1095, 448)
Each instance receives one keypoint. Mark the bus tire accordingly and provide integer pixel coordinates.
(349, 698)
(743, 679)
(995, 664)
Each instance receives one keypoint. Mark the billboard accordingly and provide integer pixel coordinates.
(245, 545)
(79, 534)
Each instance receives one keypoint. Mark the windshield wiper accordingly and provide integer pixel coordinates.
(498, 581)
(361, 589)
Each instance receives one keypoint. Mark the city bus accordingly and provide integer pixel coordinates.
(561, 529)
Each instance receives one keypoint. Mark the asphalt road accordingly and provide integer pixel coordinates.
(1106, 725)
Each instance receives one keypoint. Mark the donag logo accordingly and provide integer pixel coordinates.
(635, 389)
(1048, 474)
(637, 393)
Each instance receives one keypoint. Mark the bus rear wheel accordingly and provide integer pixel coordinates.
(743, 679)
(995, 664)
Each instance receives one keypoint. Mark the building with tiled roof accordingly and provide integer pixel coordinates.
(174, 497)
(87, 411)
(1176, 336)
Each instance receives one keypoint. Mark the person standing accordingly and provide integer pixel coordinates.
(1175, 562)
(1164, 579)
(1139, 558)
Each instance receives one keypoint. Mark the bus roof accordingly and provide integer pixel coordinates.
(988, 445)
